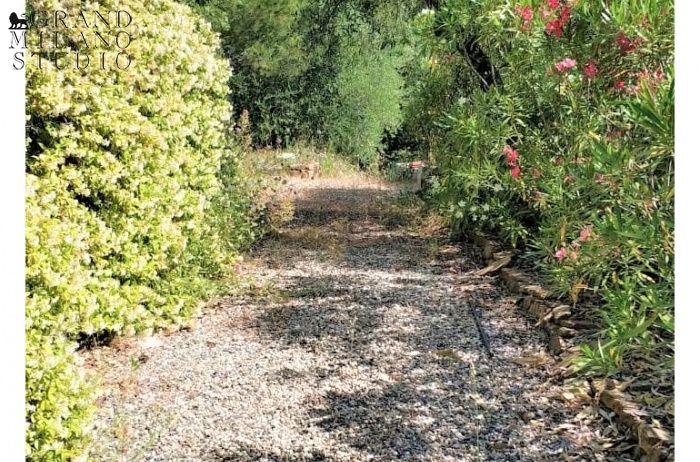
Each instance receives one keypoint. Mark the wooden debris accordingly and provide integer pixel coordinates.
(566, 332)
(579, 324)
(494, 266)
(310, 170)
(487, 248)
(651, 439)
(535, 290)
(501, 445)
(555, 344)
(533, 360)
(449, 353)
(561, 311)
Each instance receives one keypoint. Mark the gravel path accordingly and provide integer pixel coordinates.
(355, 342)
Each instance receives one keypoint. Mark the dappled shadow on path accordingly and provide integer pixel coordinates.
(402, 373)
(352, 341)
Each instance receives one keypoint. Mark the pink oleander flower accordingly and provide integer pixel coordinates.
(554, 28)
(658, 75)
(561, 254)
(623, 41)
(632, 89)
(511, 155)
(544, 12)
(626, 44)
(585, 233)
(515, 171)
(590, 70)
(565, 65)
(524, 12)
(565, 15)
(650, 79)
(620, 85)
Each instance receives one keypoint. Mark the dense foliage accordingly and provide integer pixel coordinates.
(552, 123)
(123, 168)
(321, 72)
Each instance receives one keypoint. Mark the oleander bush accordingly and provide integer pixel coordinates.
(123, 174)
(553, 124)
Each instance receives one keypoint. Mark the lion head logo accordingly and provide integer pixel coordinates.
(17, 23)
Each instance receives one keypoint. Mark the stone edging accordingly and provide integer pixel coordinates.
(556, 320)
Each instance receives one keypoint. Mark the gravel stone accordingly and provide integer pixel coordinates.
(362, 348)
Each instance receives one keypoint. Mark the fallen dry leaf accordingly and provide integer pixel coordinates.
(532, 361)
(499, 445)
(670, 407)
(449, 353)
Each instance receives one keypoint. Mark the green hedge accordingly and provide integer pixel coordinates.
(121, 170)
(553, 122)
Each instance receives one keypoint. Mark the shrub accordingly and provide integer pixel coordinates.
(368, 101)
(325, 73)
(563, 141)
(122, 169)
(58, 399)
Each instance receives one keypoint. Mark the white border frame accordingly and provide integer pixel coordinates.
(12, 251)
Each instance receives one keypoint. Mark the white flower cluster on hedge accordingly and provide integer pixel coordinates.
(122, 167)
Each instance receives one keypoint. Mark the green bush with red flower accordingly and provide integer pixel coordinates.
(556, 130)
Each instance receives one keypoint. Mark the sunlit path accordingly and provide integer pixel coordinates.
(354, 343)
